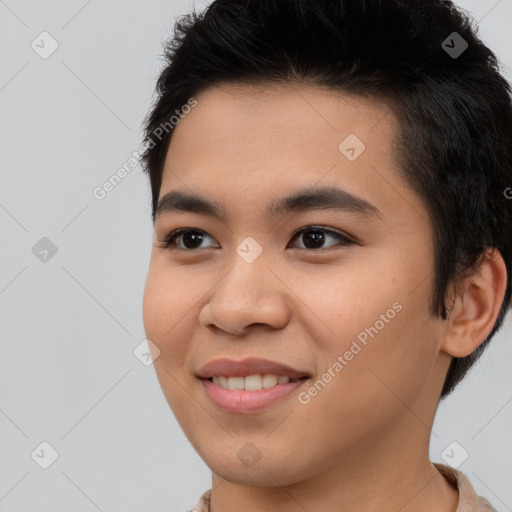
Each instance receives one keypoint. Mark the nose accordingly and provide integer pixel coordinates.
(249, 294)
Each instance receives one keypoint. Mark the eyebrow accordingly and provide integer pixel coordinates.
(325, 198)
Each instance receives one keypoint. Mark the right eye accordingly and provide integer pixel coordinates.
(188, 236)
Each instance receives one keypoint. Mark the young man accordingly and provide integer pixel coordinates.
(332, 245)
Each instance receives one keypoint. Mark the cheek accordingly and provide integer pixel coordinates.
(377, 386)
(165, 325)
(165, 315)
(385, 335)
(357, 305)
(398, 356)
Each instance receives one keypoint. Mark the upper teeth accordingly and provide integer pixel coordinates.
(252, 382)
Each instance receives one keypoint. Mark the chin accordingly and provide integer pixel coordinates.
(269, 471)
(261, 475)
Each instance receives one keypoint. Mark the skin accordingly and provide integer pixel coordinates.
(362, 442)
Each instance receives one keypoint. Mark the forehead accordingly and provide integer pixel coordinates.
(241, 144)
(302, 110)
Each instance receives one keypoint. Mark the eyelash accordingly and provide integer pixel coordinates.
(167, 242)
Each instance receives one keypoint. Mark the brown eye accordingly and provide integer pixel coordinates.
(191, 239)
(315, 236)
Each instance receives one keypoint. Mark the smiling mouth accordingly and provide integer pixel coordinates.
(252, 382)
(247, 394)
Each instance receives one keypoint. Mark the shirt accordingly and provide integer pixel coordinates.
(469, 501)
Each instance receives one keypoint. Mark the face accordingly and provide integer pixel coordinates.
(334, 286)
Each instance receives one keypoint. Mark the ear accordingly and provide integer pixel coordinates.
(476, 306)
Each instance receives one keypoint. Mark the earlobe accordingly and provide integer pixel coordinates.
(476, 306)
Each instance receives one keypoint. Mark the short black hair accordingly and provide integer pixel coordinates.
(423, 58)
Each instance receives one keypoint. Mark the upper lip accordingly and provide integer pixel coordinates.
(249, 366)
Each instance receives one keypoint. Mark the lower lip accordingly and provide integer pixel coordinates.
(236, 400)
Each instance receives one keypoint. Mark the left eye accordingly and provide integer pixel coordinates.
(316, 237)
(192, 238)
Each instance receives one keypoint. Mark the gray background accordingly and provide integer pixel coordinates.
(69, 326)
